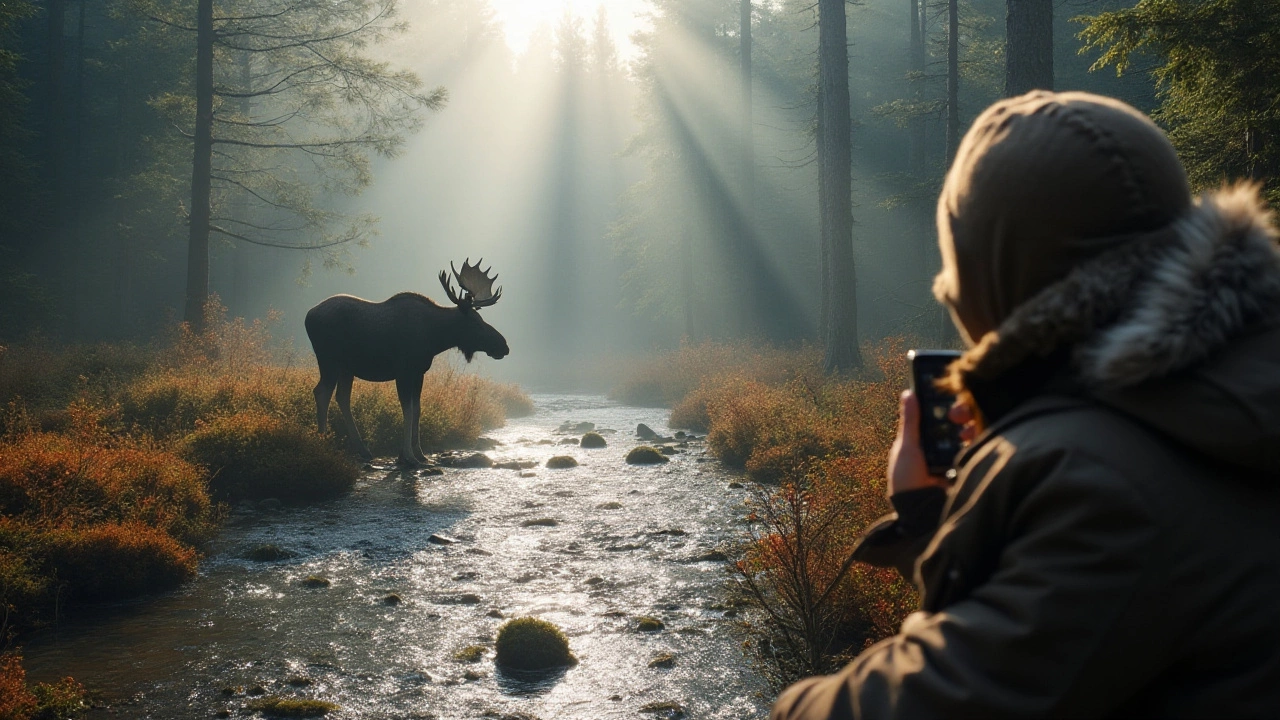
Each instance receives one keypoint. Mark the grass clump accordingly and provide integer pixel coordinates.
(251, 455)
(276, 706)
(470, 654)
(592, 440)
(532, 644)
(645, 455)
(562, 462)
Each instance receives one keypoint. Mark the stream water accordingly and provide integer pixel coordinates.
(627, 541)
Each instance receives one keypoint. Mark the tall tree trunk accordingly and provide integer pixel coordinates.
(77, 185)
(953, 79)
(835, 169)
(54, 27)
(201, 171)
(915, 125)
(748, 281)
(1028, 46)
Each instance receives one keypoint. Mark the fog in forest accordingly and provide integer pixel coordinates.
(604, 159)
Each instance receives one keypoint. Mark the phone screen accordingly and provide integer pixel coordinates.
(939, 437)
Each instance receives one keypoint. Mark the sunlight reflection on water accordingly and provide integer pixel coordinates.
(593, 572)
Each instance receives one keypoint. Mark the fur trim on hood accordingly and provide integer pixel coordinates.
(1154, 305)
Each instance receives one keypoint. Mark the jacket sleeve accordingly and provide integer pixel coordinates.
(897, 540)
(1062, 627)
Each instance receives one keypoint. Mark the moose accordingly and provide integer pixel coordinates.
(397, 339)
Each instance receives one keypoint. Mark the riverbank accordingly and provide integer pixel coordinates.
(819, 446)
(118, 463)
(595, 548)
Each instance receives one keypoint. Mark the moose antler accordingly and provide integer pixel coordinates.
(477, 283)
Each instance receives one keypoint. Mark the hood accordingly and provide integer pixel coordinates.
(1180, 329)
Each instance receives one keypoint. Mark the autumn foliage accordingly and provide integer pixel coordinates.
(819, 447)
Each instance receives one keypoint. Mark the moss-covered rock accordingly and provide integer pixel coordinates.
(275, 706)
(649, 624)
(315, 581)
(528, 643)
(562, 462)
(592, 440)
(645, 455)
(540, 522)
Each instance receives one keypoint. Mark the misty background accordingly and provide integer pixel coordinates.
(605, 159)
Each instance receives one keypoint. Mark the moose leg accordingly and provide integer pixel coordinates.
(323, 393)
(416, 436)
(353, 433)
(405, 388)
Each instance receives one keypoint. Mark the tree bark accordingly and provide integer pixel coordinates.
(953, 79)
(54, 27)
(915, 126)
(1028, 46)
(748, 280)
(201, 170)
(835, 171)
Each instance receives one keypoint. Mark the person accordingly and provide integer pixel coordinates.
(1110, 545)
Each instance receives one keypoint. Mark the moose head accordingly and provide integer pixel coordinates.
(476, 335)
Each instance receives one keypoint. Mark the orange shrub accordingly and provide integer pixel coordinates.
(16, 701)
(254, 455)
(40, 702)
(116, 561)
(58, 480)
(825, 441)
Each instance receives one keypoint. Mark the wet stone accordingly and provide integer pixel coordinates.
(663, 660)
(440, 539)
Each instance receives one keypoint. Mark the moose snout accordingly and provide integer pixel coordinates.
(498, 353)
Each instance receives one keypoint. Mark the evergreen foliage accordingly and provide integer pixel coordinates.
(1218, 74)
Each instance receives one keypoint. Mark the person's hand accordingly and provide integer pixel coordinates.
(963, 415)
(907, 467)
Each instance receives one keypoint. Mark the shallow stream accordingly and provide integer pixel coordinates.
(613, 542)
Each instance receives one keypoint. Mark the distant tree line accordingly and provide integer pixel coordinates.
(789, 152)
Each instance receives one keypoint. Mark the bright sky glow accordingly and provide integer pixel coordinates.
(521, 17)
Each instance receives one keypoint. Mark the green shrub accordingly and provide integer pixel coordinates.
(255, 456)
(531, 644)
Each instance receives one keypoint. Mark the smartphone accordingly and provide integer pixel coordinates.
(939, 437)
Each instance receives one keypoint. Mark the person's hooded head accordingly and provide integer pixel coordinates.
(1068, 229)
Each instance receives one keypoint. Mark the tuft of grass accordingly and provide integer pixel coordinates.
(255, 456)
(470, 654)
(276, 706)
(645, 455)
(529, 643)
(562, 462)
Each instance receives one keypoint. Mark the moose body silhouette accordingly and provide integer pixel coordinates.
(397, 339)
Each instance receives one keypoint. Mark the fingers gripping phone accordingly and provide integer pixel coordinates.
(939, 437)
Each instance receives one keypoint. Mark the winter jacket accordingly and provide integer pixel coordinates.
(1111, 545)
